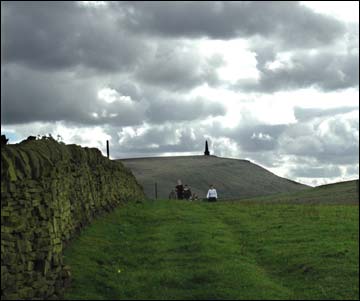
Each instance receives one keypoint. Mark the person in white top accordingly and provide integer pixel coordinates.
(212, 194)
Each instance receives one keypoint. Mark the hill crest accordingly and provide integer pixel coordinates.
(233, 178)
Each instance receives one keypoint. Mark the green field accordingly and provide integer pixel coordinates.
(214, 251)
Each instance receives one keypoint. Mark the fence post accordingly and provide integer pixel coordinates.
(107, 149)
(155, 191)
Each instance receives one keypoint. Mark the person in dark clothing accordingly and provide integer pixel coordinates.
(180, 190)
(187, 192)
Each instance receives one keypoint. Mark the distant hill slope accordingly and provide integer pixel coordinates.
(346, 192)
(233, 178)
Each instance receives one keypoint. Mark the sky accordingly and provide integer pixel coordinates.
(276, 83)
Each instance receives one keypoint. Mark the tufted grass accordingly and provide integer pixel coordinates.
(177, 250)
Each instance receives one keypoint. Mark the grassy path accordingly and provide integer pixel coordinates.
(179, 250)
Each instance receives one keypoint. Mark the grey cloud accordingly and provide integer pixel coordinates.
(61, 35)
(325, 70)
(316, 172)
(38, 96)
(353, 171)
(160, 139)
(257, 138)
(60, 96)
(177, 66)
(292, 24)
(304, 114)
(126, 88)
(58, 35)
(31, 96)
(66, 35)
(331, 140)
(177, 109)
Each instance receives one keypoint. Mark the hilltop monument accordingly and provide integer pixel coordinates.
(206, 152)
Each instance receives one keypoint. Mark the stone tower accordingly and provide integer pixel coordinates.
(206, 153)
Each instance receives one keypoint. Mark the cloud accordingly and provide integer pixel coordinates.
(330, 139)
(175, 109)
(353, 171)
(177, 65)
(66, 35)
(327, 71)
(59, 35)
(316, 172)
(304, 114)
(39, 96)
(154, 140)
(290, 23)
(257, 138)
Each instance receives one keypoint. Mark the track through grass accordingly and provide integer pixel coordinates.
(215, 251)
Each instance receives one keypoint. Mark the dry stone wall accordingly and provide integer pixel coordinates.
(49, 192)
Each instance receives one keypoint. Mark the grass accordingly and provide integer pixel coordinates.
(174, 250)
(338, 193)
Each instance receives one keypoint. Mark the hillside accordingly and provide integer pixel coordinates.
(233, 178)
(338, 193)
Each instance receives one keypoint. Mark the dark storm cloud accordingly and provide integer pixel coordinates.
(58, 35)
(63, 53)
(35, 96)
(292, 24)
(65, 35)
(124, 37)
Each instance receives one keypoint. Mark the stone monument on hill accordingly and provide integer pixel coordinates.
(206, 153)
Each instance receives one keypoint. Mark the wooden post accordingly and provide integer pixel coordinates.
(155, 191)
(107, 149)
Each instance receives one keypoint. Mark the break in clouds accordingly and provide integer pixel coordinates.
(152, 78)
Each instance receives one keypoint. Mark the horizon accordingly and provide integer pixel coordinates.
(202, 155)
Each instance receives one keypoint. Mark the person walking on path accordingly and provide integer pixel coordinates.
(212, 194)
(180, 190)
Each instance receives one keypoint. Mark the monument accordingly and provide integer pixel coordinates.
(206, 153)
